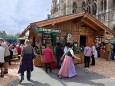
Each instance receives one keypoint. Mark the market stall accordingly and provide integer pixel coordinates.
(81, 28)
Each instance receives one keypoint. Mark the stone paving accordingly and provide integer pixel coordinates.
(85, 77)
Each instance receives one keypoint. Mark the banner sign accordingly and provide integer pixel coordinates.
(44, 30)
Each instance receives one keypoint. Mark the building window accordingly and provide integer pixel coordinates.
(74, 7)
(105, 5)
(94, 9)
(101, 5)
(83, 6)
(103, 19)
(88, 1)
(89, 9)
(113, 3)
(64, 9)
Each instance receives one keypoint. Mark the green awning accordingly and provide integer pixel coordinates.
(49, 31)
(8, 37)
(112, 41)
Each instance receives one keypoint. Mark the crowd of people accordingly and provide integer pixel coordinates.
(64, 57)
(7, 51)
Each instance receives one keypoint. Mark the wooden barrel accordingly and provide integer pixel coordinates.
(81, 56)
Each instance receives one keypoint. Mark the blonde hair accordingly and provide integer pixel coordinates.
(27, 42)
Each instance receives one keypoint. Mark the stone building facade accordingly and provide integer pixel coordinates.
(103, 10)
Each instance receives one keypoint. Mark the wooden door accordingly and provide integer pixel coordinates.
(90, 40)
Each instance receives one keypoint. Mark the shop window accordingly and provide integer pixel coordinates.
(62, 40)
(46, 39)
(57, 39)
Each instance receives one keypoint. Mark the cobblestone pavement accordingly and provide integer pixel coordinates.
(100, 75)
(104, 67)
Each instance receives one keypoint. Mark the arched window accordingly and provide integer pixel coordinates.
(113, 3)
(89, 1)
(105, 5)
(101, 5)
(64, 9)
(94, 9)
(89, 9)
(83, 6)
(74, 7)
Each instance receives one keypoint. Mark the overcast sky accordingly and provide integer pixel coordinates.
(16, 15)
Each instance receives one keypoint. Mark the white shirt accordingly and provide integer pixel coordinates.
(5, 46)
(14, 51)
(94, 51)
(71, 51)
(2, 52)
(65, 49)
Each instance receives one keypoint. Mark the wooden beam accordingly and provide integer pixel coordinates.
(99, 24)
(57, 20)
(89, 24)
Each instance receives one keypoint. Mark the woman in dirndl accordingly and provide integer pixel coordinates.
(68, 69)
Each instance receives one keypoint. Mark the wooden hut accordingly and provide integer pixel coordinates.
(79, 27)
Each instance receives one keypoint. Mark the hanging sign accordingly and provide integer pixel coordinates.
(44, 30)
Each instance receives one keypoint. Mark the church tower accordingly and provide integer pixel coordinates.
(53, 7)
(61, 7)
(68, 6)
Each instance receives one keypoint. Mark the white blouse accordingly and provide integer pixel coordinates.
(2, 51)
